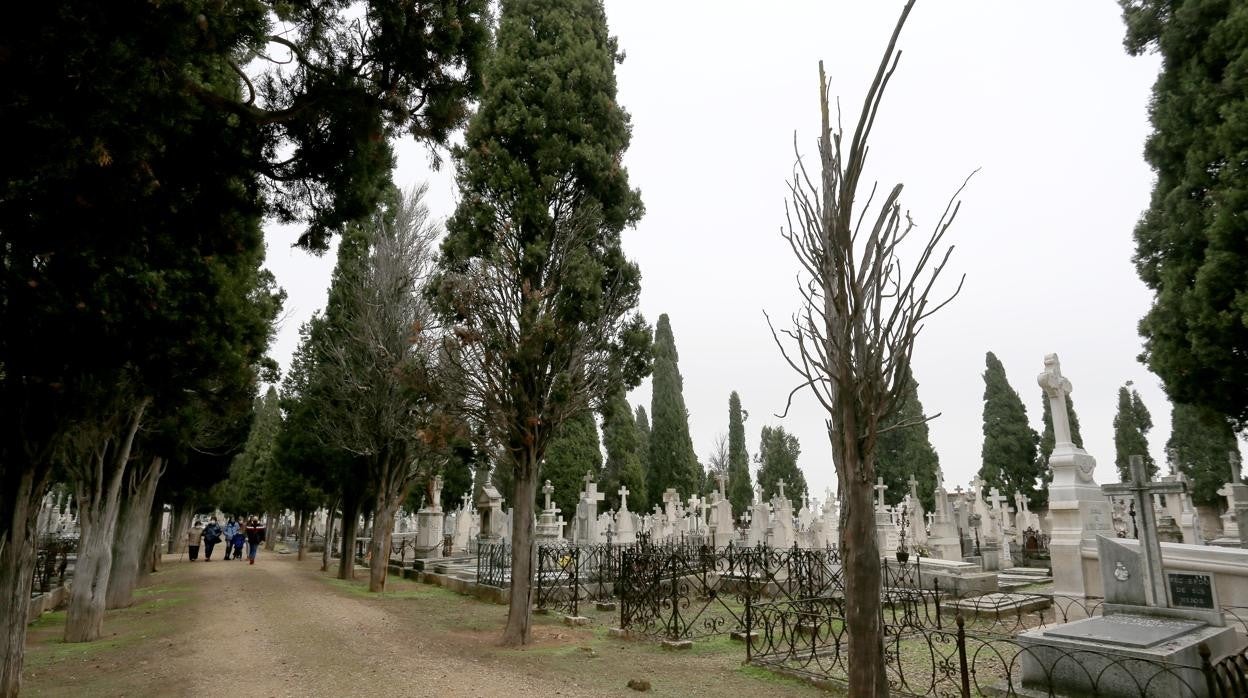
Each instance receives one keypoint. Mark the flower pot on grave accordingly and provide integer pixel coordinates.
(902, 556)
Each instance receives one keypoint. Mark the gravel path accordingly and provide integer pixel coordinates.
(275, 629)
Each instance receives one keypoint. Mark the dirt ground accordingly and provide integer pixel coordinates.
(283, 628)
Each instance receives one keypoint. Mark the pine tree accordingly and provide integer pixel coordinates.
(622, 439)
(1201, 441)
(1041, 497)
(1131, 426)
(740, 486)
(1010, 444)
(777, 456)
(673, 463)
(907, 451)
(572, 452)
(1190, 241)
(643, 452)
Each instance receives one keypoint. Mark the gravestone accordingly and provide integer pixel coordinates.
(722, 528)
(782, 533)
(831, 529)
(549, 523)
(1236, 494)
(463, 525)
(1139, 618)
(429, 523)
(625, 524)
(887, 535)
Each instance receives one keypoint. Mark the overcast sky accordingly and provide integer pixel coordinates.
(1041, 97)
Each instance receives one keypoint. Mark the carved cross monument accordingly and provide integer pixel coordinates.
(623, 492)
(1141, 491)
(914, 487)
(879, 493)
(548, 490)
(1057, 387)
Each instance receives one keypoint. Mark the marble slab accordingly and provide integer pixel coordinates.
(1127, 630)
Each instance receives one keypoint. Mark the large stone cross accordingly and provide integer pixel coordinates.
(996, 499)
(746, 517)
(1056, 387)
(914, 487)
(465, 499)
(623, 492)
(592, 494)
(781, 486)
(548, 490)
(1141, 491)
(670, 496)
(879, 493)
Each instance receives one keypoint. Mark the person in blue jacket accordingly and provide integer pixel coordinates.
(231, 527)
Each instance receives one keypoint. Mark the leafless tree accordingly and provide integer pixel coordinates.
(852, 340)
(383, 367)
(717, 461)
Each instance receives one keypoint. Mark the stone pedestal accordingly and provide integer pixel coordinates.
(429, 533)
(1236, 498)
(886, 534)
(1078, 511)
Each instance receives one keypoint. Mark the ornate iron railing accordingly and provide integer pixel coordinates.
(808, 637)
(52, 558)
(1229, 677)
(680, 594)
(494, 564)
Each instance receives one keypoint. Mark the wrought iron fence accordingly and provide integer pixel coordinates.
(680, 594)
(1227, 678)
(808, 637)
(494, 564)
(52, 559)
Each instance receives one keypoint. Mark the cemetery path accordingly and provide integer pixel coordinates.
(273, 630)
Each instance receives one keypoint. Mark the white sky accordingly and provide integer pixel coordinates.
(1042, 97)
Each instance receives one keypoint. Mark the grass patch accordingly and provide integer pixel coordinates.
(48, 620)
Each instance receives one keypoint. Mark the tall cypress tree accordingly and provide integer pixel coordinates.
(1190, 242)
(672, 460)
(740, 487)
(1047, 442)
(622, 439)
(907, 450)
(643, 450)
(777, 456)
(1009, 451)
(572, 452)
(1202, 441)
(1131, 426)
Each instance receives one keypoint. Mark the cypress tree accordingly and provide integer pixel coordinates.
(573, 451)
(1131, 426)
(1010, 444)
(778, 452)
(622, 439)
(905, 451)
(1201, 441)
(1191, 245)
(672, 459)
(1047, 441)
(643, 449)
(740, 487)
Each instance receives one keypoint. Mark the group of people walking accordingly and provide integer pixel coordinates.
(233, 535)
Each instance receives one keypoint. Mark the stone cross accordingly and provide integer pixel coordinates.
(914, 487)
(1140, 490)
(746, 517)
(1021, 502)
(465, 499)
(592, 494)
(996, 499)
(977, 485)
(694, 503)
(623, 492)
(879, 493)
(589, 477)
(548, 490)
(1233, 457)
(1056, 387)
(931, 518)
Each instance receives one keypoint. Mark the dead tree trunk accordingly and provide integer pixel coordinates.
(519, 611)
(270, 525)
(861, 557)
(18, 535)
(181, 524)
(98, 490)
(132, 532)
(379, 544)
(153, 548)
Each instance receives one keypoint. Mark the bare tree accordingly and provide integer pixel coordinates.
(381, 364)
(852, 340)
(532, 352)
(717, 461)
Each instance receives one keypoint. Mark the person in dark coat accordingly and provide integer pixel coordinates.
(255, 536)
(212, 536)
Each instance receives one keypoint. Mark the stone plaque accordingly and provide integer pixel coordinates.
(1127, 630)
(1122, 572)
(1191, 590)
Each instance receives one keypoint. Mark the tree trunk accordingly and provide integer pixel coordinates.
(270, 525)
(861, 558)
(303, 533)
(181, 524)
(519, 611)
(98, 494)
(350, 520)
(19, 504)
(152, 548)
(132, 532)
(328, 552)
(379, 544)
